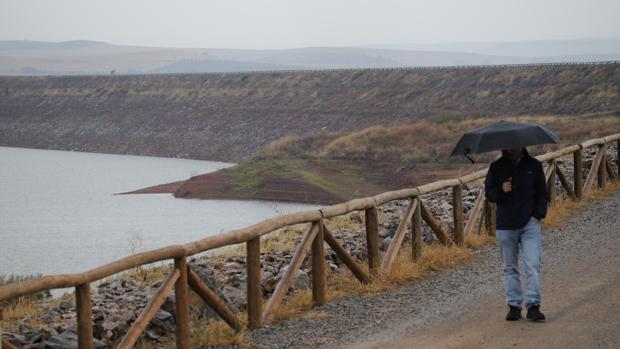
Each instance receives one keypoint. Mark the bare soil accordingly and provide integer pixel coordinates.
(347, 180)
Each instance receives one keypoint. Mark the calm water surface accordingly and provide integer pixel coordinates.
(58, 213)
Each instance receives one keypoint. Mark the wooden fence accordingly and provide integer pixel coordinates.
(183, 278)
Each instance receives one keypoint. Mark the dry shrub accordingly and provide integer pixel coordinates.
(425, 141)
(146, 275)
(344, 283)
(439, 257)
(478, 240)
(212, 333)
(285, 239)
(13, 315)
(560, 210)
(611, 188)
(295, 304)
(281, 240)
(229, 251)
(352, 222)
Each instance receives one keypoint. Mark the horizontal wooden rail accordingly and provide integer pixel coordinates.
(245, 234)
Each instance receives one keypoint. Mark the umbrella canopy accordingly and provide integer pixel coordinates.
(503, 135)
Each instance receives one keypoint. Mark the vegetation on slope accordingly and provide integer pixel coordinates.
(329, 168)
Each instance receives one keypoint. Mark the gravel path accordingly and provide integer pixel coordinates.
(444, 297)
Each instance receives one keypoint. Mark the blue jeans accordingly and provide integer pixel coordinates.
(529, 238)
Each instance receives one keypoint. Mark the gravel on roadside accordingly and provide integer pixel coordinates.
(417, 306)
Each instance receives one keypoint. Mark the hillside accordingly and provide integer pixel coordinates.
(228, 117)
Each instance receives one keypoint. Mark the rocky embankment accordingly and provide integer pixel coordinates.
(228, 117)
(117, 302)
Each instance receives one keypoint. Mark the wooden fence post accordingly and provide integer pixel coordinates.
(84, 316)
(181, 290)
(577, 174)
(254, 288)
(551, 182)
(457, 213)
(372, 240)
(318, 267)
(618, 157)
(416, 231)
(602, 175)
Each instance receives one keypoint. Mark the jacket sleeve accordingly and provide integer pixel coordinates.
(493, 187)
(541, 199)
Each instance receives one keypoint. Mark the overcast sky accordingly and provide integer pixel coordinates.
(296, 23)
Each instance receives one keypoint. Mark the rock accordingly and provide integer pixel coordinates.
(67, 339)
(385, 243)
(15, 339)
(152, 335)
(445, 207)
(302, 282)
(169, 304)
(163, 323)
(163, 315)
(237, 296)
(356, 217)
(65, 305)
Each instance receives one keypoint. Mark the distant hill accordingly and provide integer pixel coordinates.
(228, 117)
(219, 66)
(83, 57)
(562, 49)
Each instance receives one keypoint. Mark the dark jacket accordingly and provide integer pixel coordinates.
(529, 196)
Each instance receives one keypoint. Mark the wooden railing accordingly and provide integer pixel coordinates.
(183, 277)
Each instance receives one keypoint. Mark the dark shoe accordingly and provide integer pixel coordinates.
(534, 314)
(514, 313)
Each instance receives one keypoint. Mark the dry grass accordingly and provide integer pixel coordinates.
(478, 240)
(12, 315)
(217, 333)
(560, 210)
(426, 141)
(146, 275)
(283, 240)
(352, 222)
(343, 284)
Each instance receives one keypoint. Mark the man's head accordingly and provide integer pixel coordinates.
(513, 153)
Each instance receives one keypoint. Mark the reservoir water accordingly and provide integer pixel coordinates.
(58, 213)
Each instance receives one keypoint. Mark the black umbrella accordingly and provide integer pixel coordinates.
(503, 135)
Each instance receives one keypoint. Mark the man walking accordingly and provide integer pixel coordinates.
(516, 183)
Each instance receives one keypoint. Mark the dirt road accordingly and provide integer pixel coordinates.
(581, 302)
(464, 307)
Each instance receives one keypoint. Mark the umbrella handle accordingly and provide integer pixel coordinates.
(470, 159)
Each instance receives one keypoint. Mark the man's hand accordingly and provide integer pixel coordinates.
(532, 218)
(507, 185)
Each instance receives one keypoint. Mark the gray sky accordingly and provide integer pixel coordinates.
(295, 23)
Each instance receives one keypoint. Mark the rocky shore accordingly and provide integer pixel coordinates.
(118, 301)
